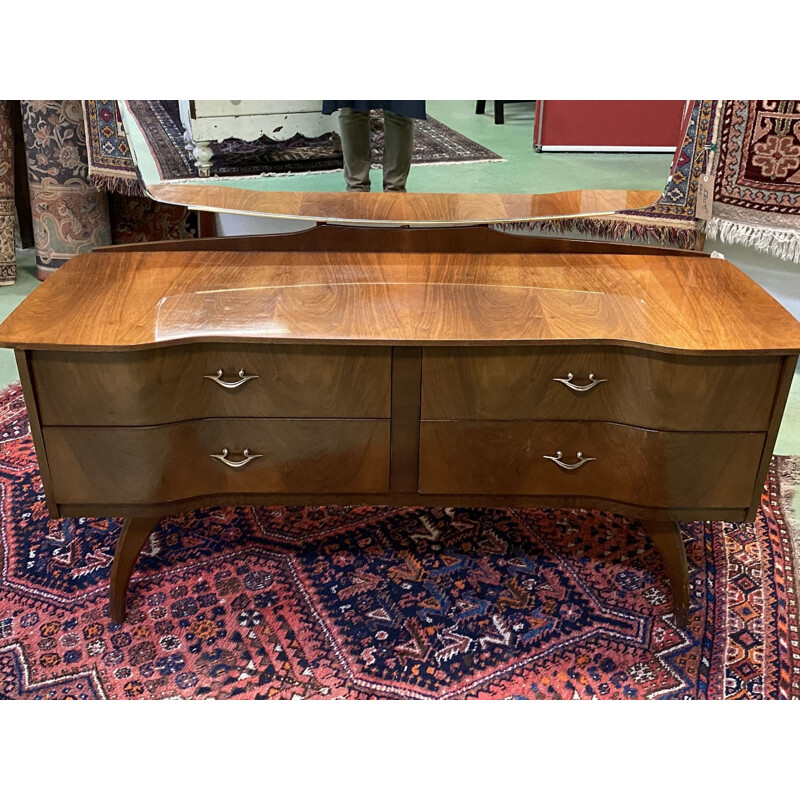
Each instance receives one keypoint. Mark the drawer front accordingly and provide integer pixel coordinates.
(151, 387)
(634, 387)
(170, 462)
(631, 465)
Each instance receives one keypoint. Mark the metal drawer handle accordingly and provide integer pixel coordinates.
(248, 457)
(230, 384)
(585, 388)
(579, 463)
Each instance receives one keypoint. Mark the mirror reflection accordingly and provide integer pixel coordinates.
(415, 146)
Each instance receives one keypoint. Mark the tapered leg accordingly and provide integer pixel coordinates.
(480, 107)
(666, 536)
(499, 116)
(135, 533)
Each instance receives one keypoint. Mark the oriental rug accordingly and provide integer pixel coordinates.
(70, 216)
(110, 162)
(371, 602)
(434, 143)
(672, 220)
(757, 184)
(8, 259)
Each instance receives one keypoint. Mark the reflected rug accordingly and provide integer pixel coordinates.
(434, 143)
(370, 602)
(757, 184)
(672, 221)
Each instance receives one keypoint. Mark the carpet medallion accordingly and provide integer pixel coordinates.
(757, 188)
(374, 602)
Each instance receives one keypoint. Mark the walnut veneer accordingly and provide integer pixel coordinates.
(426, 367)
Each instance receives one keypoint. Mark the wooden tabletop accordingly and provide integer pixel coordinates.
(130, 300)
(398, 207)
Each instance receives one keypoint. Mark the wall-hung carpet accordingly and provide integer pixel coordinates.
(672, 220)
(757, 185)
(365, 602)
(434, 143)
(8, 260)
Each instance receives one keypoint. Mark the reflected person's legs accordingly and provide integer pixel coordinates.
(354, 129)
(398, 144)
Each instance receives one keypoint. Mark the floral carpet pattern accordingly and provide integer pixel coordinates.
(69, 215)
(757, 186)
(371, 602)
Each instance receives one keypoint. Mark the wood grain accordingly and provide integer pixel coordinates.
(32, 407)
(633, 465)
(168, 384)
(108, 301)
(170, 462)
(135, 532)
(668, 539)
(406, 377)
(401, 208)
(641, 388)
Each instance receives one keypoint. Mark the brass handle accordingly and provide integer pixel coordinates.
(230, 384)
(585, 387)
(579, 463)
(248, 457)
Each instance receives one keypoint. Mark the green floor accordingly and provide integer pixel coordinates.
(523, 171)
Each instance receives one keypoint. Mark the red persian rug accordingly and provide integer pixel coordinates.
(367, 602)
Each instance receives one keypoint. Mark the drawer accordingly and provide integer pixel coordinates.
(149, 387)
(634, 387)
(169, 462)
(630, 465)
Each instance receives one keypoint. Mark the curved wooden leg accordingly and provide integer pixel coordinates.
(135, 533)
(666, 536)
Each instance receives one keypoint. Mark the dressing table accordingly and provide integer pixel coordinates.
(405, 366)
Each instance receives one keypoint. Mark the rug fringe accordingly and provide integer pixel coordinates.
(610, 228)
(117, 184)
(776, 242)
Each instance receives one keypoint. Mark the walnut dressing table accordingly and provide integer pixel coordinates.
(407, 367)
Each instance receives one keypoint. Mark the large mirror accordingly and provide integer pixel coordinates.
(433, 162)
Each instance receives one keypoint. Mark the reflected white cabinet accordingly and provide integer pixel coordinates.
(207, 121)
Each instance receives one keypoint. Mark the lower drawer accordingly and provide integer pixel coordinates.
(170, 462)
(630, 465)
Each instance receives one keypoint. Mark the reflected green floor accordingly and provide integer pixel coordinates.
(524, 171)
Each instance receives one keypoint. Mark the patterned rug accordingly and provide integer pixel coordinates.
(111, 165)
(309, 602)
(757, 185)
(8, 258)
(671, 221)
(70, 216)
(434, 143)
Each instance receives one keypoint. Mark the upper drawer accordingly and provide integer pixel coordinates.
(635, 387)
(168, 384)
